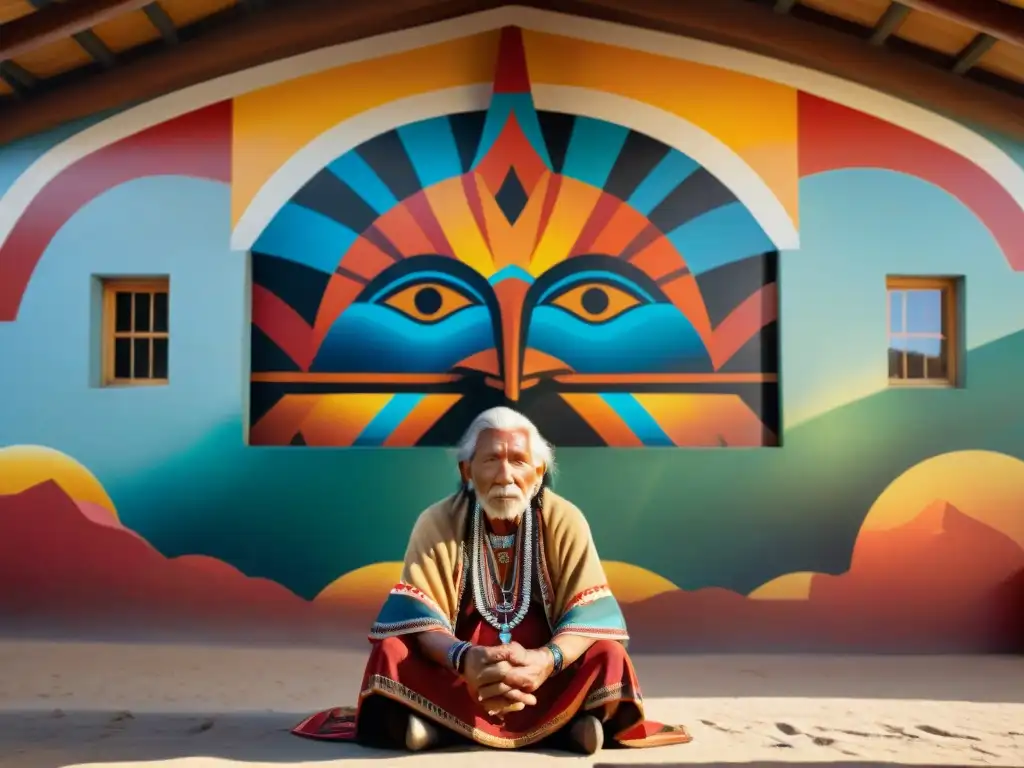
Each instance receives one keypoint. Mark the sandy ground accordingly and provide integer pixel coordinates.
(75, 704)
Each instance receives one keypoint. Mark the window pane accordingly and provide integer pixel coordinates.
(915, 357)
(142, 307)
(122, 358)
(159, 358)
(160, 312)
(896, 312)
(897, 350)
(122, 311)
(140, 366)
(924, 311)
(933, 354)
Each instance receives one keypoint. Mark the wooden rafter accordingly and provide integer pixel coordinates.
(283, 29)
(754, 27)
(56, 21)
(890, 22)
(997, 19)
(87, 40)
(20, 80)
(161, 22)
(973, 52)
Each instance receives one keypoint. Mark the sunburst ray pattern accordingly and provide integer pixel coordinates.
(568, 265)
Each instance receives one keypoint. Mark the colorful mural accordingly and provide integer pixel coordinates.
(516, 257)
(65, 548)
(610, 235)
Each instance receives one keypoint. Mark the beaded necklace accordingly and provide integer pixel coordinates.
(502, 605)
(501, 542)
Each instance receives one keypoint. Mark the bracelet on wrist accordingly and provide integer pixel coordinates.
(457, 655)
(557, 657)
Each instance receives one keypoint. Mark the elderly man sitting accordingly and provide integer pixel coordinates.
(502, 629)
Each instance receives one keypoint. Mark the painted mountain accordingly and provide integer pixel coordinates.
(940, 583)
(681, 514)
(69, 567)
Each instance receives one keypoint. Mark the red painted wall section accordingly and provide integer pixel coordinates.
(834, 137)
(197, 144)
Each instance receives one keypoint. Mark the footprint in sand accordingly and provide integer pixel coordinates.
(931, 729)
(202, 727)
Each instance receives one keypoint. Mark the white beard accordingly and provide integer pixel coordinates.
(509, 508)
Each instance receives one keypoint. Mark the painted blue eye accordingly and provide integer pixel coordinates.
(428, 297)
(609, 318)
(423, 315)
(428, 302)
(595, 297)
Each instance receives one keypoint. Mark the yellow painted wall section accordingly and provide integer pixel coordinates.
(272, 124)
(755, 118)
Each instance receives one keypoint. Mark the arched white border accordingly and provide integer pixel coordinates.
(937, 128)
(339, 139)
(723, 162)
(670, 129)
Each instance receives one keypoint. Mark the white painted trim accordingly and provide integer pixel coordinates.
(939, 129)
(346, 135)
(692, 140)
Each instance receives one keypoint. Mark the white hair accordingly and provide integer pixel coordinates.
(542, 452)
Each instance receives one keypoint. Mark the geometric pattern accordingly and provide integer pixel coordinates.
(597, 279)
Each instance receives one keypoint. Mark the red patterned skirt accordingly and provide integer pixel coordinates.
(602, 682)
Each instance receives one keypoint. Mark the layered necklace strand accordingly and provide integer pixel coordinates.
(506, 614)
(501, 542)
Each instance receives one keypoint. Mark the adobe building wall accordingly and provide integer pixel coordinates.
(681, 260)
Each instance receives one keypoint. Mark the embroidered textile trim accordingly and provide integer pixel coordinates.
(382, 631)
(394, 690)
(401, 589)
(589, 596)
(543, 575)
(461, 582)
(606, 633)
(617, 692)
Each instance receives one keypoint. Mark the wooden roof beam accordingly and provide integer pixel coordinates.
(756, 28)
(20, 80)
(890, 22)
(161, 22)
(973, 52)
(999, 20)
(87, 40)
(285, 29)
(57, 21)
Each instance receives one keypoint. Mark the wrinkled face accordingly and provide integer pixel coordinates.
(592, 278)
(503, 473)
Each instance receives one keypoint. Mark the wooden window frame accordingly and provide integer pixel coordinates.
(950, 286)
(111, 287)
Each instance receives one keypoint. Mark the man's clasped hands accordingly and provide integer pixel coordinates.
(503, 678)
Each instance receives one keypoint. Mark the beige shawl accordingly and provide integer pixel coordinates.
(437, 567)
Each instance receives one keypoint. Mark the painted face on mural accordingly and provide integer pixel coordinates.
(503, 472)
(527, 258)
(514, 325)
